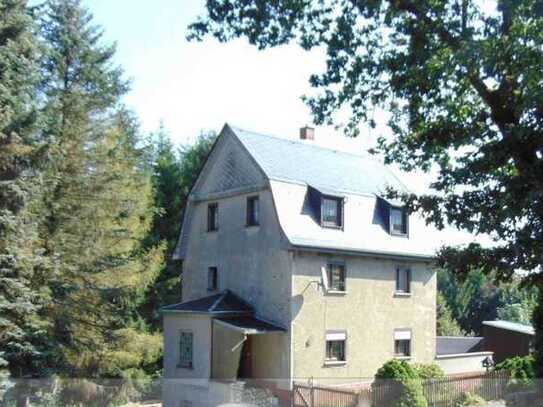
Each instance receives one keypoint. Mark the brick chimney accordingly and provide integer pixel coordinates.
(307, 133)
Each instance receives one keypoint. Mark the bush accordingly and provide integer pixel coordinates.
(412, 395)
(470, 399)
(428, 371)
(397, 370)
(522, 370)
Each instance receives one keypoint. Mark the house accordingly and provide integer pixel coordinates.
(508, 339)
(296, 266)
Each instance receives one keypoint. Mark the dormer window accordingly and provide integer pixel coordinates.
(332, 212)
(398, 221)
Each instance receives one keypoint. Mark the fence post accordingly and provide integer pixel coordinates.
(312, 395)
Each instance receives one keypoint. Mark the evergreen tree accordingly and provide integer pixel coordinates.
(446, 324)
(97, 205)
(173, 177)
(22, 293)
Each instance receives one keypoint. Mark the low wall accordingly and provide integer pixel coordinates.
(462, 362)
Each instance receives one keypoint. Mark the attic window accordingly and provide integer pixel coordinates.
(398, 221)
(332, 212)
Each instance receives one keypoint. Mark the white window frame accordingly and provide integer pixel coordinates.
(186, 364)
(403, 334)
(335, 336)
(408, 280)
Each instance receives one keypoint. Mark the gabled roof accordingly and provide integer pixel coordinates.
(222, 303)
(328, 170)
(511, 326)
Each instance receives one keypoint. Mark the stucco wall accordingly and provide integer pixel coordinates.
(369, 312)
(462, 364)
(250, 260)
(200, 326)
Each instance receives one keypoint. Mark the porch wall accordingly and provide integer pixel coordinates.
(225, 359)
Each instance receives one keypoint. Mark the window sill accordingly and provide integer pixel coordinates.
(396, 234)
(336, 227)
(398, 357)
(213, 231)
(338, 293)
(178, 366)
(252, 226)
(401, 294)
(334, 363)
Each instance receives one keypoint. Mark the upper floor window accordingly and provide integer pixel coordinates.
(185, 349)
(212, 217)
(402, 343)
(212, 279)
(336, 276)
(332, 212)
(398, 221)
(253, 211)
(335, 346)
(403, 280)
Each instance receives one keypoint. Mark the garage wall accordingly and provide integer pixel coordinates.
(462, 363)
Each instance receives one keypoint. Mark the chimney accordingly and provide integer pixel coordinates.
(307, 133)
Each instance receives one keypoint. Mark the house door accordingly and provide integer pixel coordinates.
(245, 370)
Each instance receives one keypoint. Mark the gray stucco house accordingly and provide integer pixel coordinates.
(296, 266)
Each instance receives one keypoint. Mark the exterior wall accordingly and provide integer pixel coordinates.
(227, 345)
(250, 260)
(369, 312)
(506, 344)
(463, 363)
(200, 326)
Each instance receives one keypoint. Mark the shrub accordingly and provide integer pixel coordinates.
(470, 399)
(412, 395)
(396, 370)
(428, 371)
(522, 370)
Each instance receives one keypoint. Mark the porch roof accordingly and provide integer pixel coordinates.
(249, 325)
(222, 303)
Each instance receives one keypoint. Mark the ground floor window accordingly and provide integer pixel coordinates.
(402, 343)
(335, 346)
(185, 349)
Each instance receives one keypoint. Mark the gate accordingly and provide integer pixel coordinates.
(318, 396)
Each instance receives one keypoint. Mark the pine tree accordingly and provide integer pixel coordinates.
(97, 204)
(21, 291)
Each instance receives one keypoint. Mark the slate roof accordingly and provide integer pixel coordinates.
(328, 170)
(454, 345)
(511, 326)
(225, 302)
(251, 325)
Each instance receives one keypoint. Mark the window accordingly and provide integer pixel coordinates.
(212, 279)
(398, 221)
(335, 346)
(402, 343)
(331, 212)
(403, 280)
(336, 276)
(252, 211)
(185, 349)
(212, 217)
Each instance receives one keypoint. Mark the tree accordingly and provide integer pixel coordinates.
(22, 295)
(446, 324)
(97, 201)
(462, 82)
(173, 177)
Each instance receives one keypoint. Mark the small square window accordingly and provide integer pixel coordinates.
(253, 211)
(402, 342)
(185, 349)
(403, 280)
(213, 217)
(398, 221)
(335, 346)
(212, 279)
(332, 212)
(336, 276)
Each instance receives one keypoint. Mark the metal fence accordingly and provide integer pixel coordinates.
(443, 392)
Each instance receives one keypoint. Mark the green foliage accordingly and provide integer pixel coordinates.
(396, 370)
(462, 84)
(470, 399)
(446, 324)
(174, 174)
(427, 371)
(412, 395)
(522, 371)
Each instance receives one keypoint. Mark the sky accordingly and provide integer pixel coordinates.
(196, 86)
